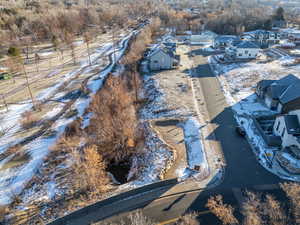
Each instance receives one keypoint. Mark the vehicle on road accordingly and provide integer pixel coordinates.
(241, 131)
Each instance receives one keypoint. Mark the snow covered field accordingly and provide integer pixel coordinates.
(13, 180)
(238, 81)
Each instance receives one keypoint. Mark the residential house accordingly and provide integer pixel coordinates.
(242, 50)
(170, 45)
(294, 37)
(162, 58)
(279, 23)
(206, 37)
(224, 41)
(288, 128)
(281, 95)
(264, 38)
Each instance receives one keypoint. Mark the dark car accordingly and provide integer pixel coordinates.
(241, 131)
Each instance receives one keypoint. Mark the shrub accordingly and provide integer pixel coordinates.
(71, 113)
(90, 174)
(74, 128)
(188, 219)
(223, 211)
(13, 51)
(3, 211)
(29, 119)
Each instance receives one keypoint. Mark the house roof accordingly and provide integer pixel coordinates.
(291, 93)
(292, 124)
(165, 50)
(246, 44)
(209, 33)
(285, 89)
(276, 90)
(226, 38)
(287, 80)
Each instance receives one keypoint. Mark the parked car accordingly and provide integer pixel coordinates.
(241, 131)
(5, 76)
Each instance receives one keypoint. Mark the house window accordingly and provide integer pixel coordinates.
(155, 61)
(278, 124)
(246, 52)
(282, 134)
(240, 54)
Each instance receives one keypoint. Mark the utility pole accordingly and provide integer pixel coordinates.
(28, 86)
(136, 86)
(4, 101)
(114, 47)
(88, 49)
(87, 38)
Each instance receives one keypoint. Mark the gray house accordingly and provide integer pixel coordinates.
(264, 38)
(162, 58)
(223, 41)
(281, 95)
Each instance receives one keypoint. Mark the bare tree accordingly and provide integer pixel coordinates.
(69, 39)
(252, 210)
(274, 212)
(292, 191)
(90, 174)
(223, 211)
(87, 39)
(4, 102)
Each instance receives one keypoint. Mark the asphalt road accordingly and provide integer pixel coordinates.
(242, 168)
(242, 171)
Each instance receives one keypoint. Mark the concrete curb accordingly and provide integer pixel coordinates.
(104, 203)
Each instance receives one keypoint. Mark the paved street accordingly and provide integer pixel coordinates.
(242, 169)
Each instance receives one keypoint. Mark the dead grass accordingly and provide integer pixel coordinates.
(134, 218)
(11, 150)
(3, 212)
(188, 219)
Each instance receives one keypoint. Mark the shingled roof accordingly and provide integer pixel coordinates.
(247, 44)
(291, 93)
(285, 90)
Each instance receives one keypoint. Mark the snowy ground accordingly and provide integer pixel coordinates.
(238, 81)
(171, 100)
(14, 179)
(195, 152)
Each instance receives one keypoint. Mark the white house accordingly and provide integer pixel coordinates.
(242, 50)
(288, 128)
(162, 59)
(205, 37)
